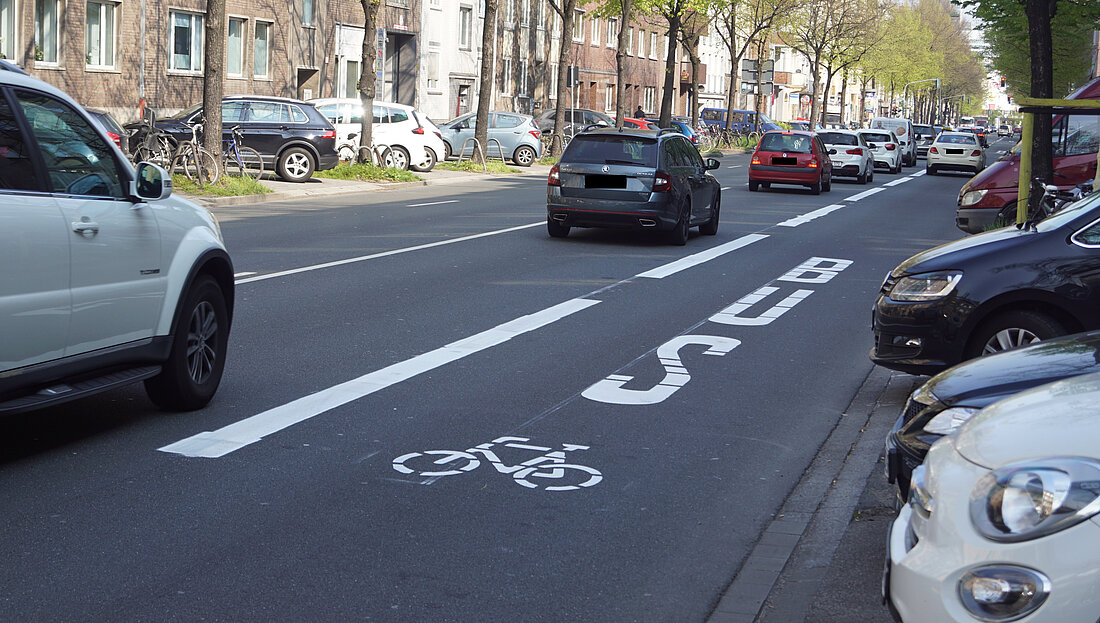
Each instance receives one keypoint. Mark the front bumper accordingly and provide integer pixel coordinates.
(918, 338)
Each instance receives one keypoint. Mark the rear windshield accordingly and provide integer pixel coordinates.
(879, 138)
(604, 149)
(956, 139)
(922, 130)
(792, 143)
(838, 138)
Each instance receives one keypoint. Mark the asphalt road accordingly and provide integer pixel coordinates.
(379, 340)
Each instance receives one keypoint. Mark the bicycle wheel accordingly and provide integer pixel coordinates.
(200, 166)
(557, 472)
(447, 458)
(246, 162)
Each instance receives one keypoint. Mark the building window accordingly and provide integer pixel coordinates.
(630, 41)
(465, 22)
(524, 81)
(610, 98)
(540, 8)
(653, 45)
(46, 34)
(649, 101)
(432, 73)
(578, 25)
(509, 12)
(186, 41)
(595, 31)
(612, 32)
(307, 12)
(525, 13)
(506, 77)
(553, 81)
(234, 52)
(99, 40)
(351, 79)
(260, 50)
(8, 17)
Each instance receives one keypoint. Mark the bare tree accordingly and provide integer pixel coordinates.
(485, 89)
(367, 79)
(564, 9)
(213, 73)
(740, 24)
(625, 15)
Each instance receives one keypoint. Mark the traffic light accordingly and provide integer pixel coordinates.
(1002, 82)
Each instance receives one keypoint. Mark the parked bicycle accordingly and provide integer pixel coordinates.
(151, 144)
(239, 159)
(544, 470)
(198, 164)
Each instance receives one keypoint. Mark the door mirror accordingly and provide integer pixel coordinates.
(713, 164)
(153, 183)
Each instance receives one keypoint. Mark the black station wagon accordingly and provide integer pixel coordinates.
(633, 179)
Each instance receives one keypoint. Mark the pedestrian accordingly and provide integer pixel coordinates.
(639, 114)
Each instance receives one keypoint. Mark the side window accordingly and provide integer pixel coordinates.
(380, 115)
(397, 115)
(690, 154)
(297, 115)
(232, 111)
(674, 155)
(78, 161)
(506, 121)
(265, 112)
(465, 124)
(1090, 236)
(352, 112)
(16, 168)
(1082, 135)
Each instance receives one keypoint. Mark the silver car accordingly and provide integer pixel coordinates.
(512, 136)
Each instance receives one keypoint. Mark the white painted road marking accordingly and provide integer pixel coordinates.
(431, 203)
(245, 274)
(918, 173)
(726, 187)
(736, 166)
(809, 216)
(375, 256)
(865, 194)
(704, 256)
(248, 431)
(898, 181)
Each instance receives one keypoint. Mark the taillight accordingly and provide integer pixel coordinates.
(976, 152)
(328, 134)
(933, 150)
(555, 177)
(661, 182)
(114, 137)
(418, 131)
(755, 159)
(891, 146)
(812, 163)
(858, 151)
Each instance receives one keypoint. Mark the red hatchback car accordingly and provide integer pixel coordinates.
(791, 157)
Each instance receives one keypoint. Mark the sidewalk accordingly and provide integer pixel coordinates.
(327, 187)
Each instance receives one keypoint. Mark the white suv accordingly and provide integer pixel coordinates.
(107, 279)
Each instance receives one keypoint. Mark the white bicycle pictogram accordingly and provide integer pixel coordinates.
(541, 471)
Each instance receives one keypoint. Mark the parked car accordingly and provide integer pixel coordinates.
(1002, 520)
(791, 157)
(885, 148)
(991, 195)
(108, 279)
(111, 127)
(923, 135)
(991, 292)
(903, 129)
(293, 138)
(952, 397)
(576, 119)
(955, 151)
(633, 179)
(741, 120)
(850, 154)
(639, 124)
(414, 141)
(681, 125)
(516, 137)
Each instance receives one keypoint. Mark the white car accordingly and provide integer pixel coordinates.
(955, 151)
(885, 148)
(850, 153)
(903, 129)
(108, 279)
(1002, 522)
(414, 141)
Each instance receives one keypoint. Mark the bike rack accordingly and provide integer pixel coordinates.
(484, 155)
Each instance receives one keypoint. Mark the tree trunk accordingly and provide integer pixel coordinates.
(485, 88)
(671, 75)
(693, 52)
(843, 99)
(825, 95)
(815, 96)
(367, 79)
(758, 101)
(1039, 13)
(565, 54)
(517, 66)
(620, 56)
(214, 77)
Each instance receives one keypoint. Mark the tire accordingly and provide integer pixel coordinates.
(251, 164)
(827, 186)
(346, 153)
(930, 170)
(897, 169)
(815, 188)
(429, 161)
(862, 178)
(449, 458)
(1006, 217)
(295, 165)
(199, 165)
(447, 151)
(1011, 330)
(871, 174)
(524, 156)
(556, 230)
(754, 186)
(679, 234)
(710, 228)
(398, 158)
(193, 371)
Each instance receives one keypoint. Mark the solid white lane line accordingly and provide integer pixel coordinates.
(244, 274)
(726, 187)
(809, 216)
(235, 436)
(703, 256)
(375, 256)
(735, 166)
(432, 203)
(901, 180)
(865, 194)
(918, 173)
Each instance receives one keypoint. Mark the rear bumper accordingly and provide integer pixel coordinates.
(327, 161)
(658, 213)
(789, 175)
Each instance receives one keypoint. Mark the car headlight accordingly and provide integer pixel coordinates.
(925, 287)
(949, 420)
(1031, 499)
(972, 197)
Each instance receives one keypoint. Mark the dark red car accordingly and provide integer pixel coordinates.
(791, 157)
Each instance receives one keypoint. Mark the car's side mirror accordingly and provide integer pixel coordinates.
(712, 164)
(152, 184)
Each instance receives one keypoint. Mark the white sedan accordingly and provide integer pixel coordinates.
(1002, 521)
(955, 151)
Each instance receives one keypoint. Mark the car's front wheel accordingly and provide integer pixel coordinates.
(295, 165)
(193, 371)
(1012, 330)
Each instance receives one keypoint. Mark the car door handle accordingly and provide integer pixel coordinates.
(85, 227)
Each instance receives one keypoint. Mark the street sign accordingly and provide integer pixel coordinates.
(748, 64)
(573, 76)
(767, 66)
(747, 87)
(767, 75)
(748, 75)
(766, 88)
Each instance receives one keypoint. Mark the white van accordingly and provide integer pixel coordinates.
(903, 128)
(415, 142)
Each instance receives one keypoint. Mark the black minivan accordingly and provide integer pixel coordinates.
(991, 292)
(633, 179)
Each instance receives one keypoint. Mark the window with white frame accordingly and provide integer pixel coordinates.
(261, 50)
(506, 77)
(653, 45)
(610, 105)
(509, 12)
(641, 43)
(99, 31)
(540, 11)
(649, 99)
(553, 81)
(630, 41)
(525, 13)
(432, 73)
(187, 39)
(47, 37)
(234, 48)
(465, 26)
(612, 32)
(595, 31)
(8, 18)
(578, 25)
(524, 82)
